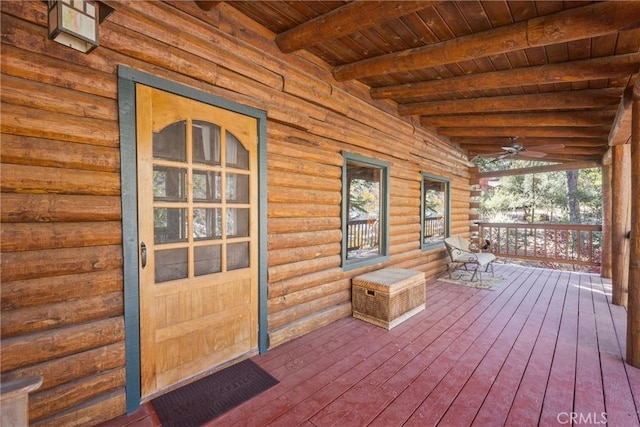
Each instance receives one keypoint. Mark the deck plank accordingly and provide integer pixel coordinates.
(618, 397)
(560, 387)
(403, 335)
(424, 371)
(589, 396)
(502, 372)
(485, 356)
(619, 318)
(298, 390)
(345, 403)
(520, 386)
(546, 343)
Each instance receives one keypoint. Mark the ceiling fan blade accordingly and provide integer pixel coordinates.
(502, 153)
(533, 154)
(501, 156)
(549, 147)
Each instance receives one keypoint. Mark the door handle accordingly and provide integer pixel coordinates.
(143, 254)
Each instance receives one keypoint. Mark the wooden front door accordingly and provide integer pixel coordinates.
(197, 221)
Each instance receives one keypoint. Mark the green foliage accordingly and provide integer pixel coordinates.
(364, 198)
(538, 197)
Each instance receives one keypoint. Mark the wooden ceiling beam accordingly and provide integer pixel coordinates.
(562, 158)
(621, 128)
(566, 158)
(582, 118)
(584, 22)
(569, 100)
(540, 169)
(540, 132)
(206, 4)
(573, 71)
(529, 141)
(492, 149)
(345, 20)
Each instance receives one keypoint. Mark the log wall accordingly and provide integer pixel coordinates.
(62, 283)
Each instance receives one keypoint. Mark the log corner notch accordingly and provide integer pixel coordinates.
(633, 309)
(206, 5)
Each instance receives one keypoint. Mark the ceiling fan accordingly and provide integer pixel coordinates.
(516, 149)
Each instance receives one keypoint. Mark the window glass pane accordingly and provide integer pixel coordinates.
(206, 143)
(364, 209)
(206, 224)
(170, 142)
(206, 186)
(171, 264)
(434, 203)
(237, 222)
(237, 255)
(169, 225)
(169, 184)
(237, 188)
(237, 156)
(207, 260)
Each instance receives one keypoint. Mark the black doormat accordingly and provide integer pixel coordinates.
(205, 399)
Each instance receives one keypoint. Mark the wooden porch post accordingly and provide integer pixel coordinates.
(621, 222)
(606, 262)
(633, 309)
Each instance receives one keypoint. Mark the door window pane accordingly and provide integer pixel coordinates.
(170, 225)
(207, 260)
(206, 223)
(237, 156)
(206, 186)
(237, 255)
(171, 264)
(171, 142)
(237, 222)
(237, 188)
(206, 143)
(169, 184)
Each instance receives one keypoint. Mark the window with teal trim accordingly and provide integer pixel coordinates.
(365, 206)
(435, 210)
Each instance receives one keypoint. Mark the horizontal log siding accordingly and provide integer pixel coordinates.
(62, 284)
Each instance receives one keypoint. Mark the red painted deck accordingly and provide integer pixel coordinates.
(545, 348)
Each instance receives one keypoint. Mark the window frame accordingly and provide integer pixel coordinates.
(351, 264)
(447, 215)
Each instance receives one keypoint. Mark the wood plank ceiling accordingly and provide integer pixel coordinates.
(478, 72)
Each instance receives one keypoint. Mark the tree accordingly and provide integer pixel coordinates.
(570, 196)
(572, 192)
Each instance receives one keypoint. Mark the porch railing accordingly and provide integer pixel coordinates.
(434, 226)
(575, 244)
(362, 234)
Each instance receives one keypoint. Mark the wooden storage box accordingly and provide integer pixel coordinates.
(388, 297)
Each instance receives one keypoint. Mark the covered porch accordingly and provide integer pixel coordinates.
(402, 101)
(545, 348)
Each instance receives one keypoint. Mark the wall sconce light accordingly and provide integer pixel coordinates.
(74, 23)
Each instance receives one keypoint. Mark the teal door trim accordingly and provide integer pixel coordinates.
(127, 80)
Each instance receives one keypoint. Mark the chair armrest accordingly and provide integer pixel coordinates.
(464, 256)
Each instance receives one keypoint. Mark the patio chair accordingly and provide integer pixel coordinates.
(465, 255)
